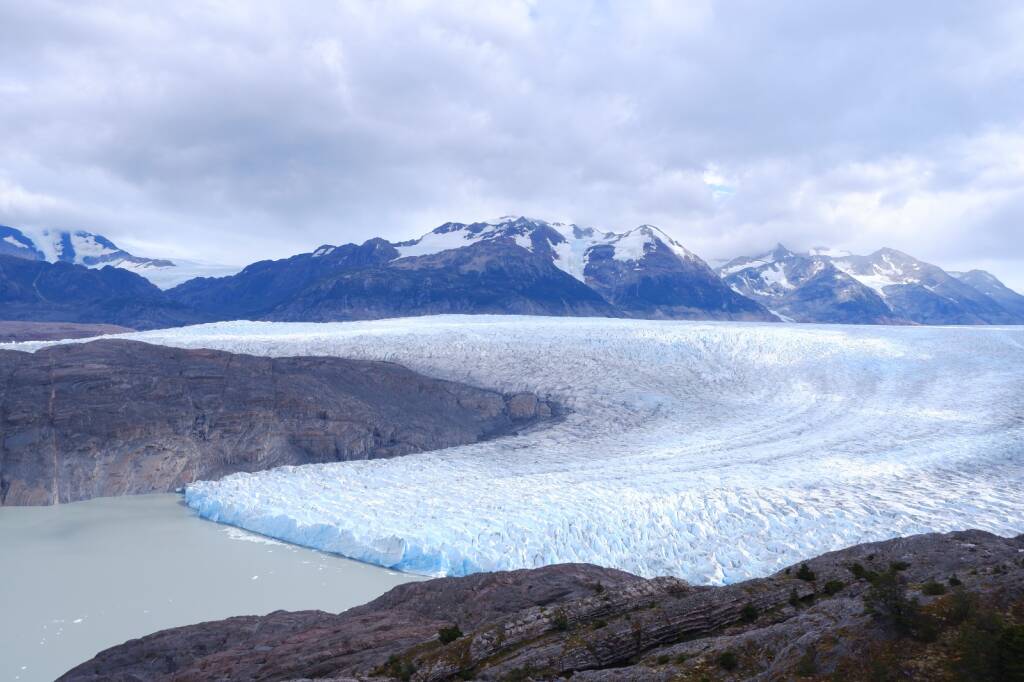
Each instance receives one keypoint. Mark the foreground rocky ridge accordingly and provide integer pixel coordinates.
(927, 607)
(116, 417)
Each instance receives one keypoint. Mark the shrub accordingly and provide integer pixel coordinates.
(1010, 653)
(749, 613)
(396, 667)
(954, 581)
(933, 589)
(599, 587)
(833, 587)
(664, 659)
(805, 573)
(600, 623)
(861, 573)
(728, 661)
(899, 566)
(560, 621)
(681, 658)
(887, 601)
(794, 598)
(449, 634)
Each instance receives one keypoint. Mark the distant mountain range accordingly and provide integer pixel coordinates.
(887, 286)
(95, 251)
(512, 265)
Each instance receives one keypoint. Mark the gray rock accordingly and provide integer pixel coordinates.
(116, 417)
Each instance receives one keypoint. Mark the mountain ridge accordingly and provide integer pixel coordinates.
(512, 264)
(92, 250)
(886, 286)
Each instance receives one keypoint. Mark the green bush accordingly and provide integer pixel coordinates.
(664, 659)
(560, 621)
(396, 667)
(794, 598)
(899, 566)
(954, 581)
(887, 601)
(833, 587)
(728, 661)
(933, 589)
(861, 573)
(449, 634)
(805, 573)
(681, 658)
(748, 613)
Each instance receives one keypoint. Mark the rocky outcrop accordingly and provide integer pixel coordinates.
(925, 607)
(116, 417)
(14, 331)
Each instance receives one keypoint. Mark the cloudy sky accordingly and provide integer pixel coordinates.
(232, 131)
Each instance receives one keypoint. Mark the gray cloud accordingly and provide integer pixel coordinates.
(233, 131)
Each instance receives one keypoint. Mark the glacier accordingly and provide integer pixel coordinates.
(712, 451)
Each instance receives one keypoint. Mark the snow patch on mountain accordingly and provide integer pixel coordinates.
(636, 243)
(710, 451)
(96, 251)
(569, 244)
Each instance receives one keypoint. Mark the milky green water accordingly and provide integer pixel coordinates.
(78, 578)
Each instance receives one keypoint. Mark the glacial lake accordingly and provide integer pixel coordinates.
(78, 578)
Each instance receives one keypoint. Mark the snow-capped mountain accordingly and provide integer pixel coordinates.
(95, 251)
(509, 265)
(805, 287)
(569, 246)
(991, 286)
(643, 271)
(922, 292)
(887, 286)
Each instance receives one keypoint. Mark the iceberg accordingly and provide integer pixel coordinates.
(712, 451)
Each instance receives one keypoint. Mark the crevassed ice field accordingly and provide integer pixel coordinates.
(709, 451)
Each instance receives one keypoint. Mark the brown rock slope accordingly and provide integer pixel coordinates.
(116, 417)
(16, 330)
(927, 607)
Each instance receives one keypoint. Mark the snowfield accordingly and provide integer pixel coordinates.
(710, 451)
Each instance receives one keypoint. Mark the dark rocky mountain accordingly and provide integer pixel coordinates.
(116, 417)
(989, 284)
(805, 288)
(922, 292)
(926, 607)
(372, 280)
(40, 291)
(514, 265)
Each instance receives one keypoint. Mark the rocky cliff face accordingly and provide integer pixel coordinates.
(115, 417)
(928, 607)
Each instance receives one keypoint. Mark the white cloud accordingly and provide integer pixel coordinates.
(244, 130)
